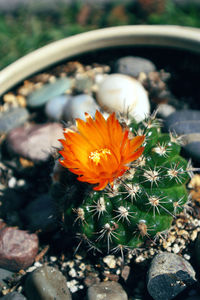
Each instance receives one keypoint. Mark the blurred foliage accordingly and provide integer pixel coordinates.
(24, 31)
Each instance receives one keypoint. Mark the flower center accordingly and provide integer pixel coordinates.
(96, 155)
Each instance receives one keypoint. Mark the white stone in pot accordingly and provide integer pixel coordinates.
(78, 105)
(122, 93)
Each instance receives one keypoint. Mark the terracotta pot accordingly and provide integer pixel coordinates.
(140, 35)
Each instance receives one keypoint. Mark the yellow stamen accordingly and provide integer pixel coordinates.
(96, 155)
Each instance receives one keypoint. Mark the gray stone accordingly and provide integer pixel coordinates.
(18, 248)
(13, 296)
(40, 214)
(34, 141)
(51, 90)
(78, 105)
(133, 66)
(186, 123)
(54, 107)
(47, 283)
(109, 290)
(5, 275)
(164, 110)
(169, 274)
(12, 119)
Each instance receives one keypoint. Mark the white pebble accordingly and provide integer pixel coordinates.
(12, 182)
(78, 105)
(122, 93)
(54, 107)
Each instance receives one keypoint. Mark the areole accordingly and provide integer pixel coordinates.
(144, 35)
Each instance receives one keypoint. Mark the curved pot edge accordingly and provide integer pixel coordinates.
(157, 35)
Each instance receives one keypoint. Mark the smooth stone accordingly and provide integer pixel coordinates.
(48, 91)
(121, 94)
(83, 83)
(164, 110)
(13, 118)
(54, 107)
(47, 283)
(187, 124)
(18, 248)
(78, 105)
(109, 290)
(35, 142)
(134, 65)
(169, 275)
(5, 275)
(13, 296)
(40, 214)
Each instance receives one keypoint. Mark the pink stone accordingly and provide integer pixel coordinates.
(18, 248)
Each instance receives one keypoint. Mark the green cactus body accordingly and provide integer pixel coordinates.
(142, 203)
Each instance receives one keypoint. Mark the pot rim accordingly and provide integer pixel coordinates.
(170, 36)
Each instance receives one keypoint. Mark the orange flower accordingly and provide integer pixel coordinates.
(101, 150)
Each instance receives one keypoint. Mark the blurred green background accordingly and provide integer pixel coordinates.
(27, 27)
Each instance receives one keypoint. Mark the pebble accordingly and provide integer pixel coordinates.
(83, 83)
(186, 123)
(5, 275)
(13, 118)
(121, 94)
(169, 275)
(47, 283)
(18, 248)
(35, 142)
(40, 214)
(133, 66)
(110, 261)
(78, 105)
(48, 91)
(164, 110)
(54, 107)
(13, 296)
(109, 290)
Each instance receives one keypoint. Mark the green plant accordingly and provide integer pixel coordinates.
(136, 206)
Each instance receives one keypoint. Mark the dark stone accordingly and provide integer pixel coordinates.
(133, 66)
(40, 214)
(35, 142)
(186, 123)
(13, 118)
(169, 275)
(5, 275)
(47, 283)
(13, 296)
(18, 248)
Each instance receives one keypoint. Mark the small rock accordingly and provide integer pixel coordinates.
(133, 66)
(35, 142)
(186, 123)
(13, 296)
(78, 105)
(122, 94)
(109, 290)
(39, 97)
(5, 275)
(18, 248)
(13, 118)
(47, 283)
(40, 214)
(110, 261)
(54, 107)
(164, 110)
(169, 274)
(83, 83)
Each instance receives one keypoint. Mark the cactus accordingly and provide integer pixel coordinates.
(141, 203)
